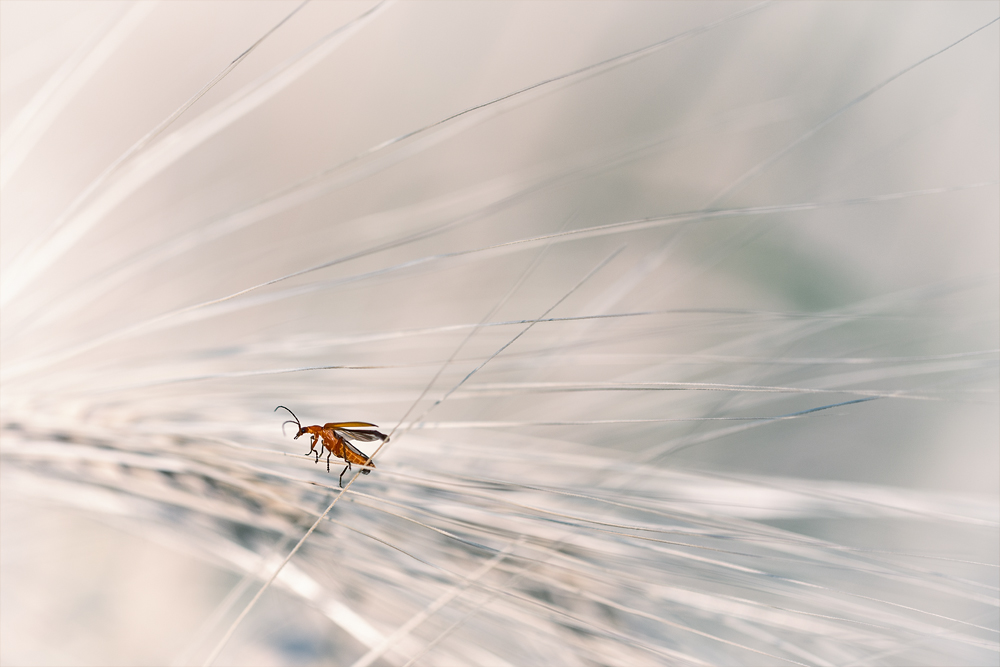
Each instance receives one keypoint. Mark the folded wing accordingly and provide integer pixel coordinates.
(356, 431)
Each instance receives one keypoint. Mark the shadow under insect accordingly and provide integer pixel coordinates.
(335, 437)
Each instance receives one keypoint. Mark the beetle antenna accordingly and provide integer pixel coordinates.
(289, 421)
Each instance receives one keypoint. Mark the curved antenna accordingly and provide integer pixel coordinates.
(288, 421)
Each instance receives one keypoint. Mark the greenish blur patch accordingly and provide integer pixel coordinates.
(789, 268)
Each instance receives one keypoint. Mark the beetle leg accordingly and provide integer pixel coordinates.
(342, 474)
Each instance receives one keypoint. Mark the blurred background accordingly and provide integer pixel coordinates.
(682, 316)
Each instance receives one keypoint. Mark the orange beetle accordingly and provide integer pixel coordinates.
(335, 438)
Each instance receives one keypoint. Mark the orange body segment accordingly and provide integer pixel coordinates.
(341, 448)
(336, 445)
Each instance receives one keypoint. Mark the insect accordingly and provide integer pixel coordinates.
(335, 436)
